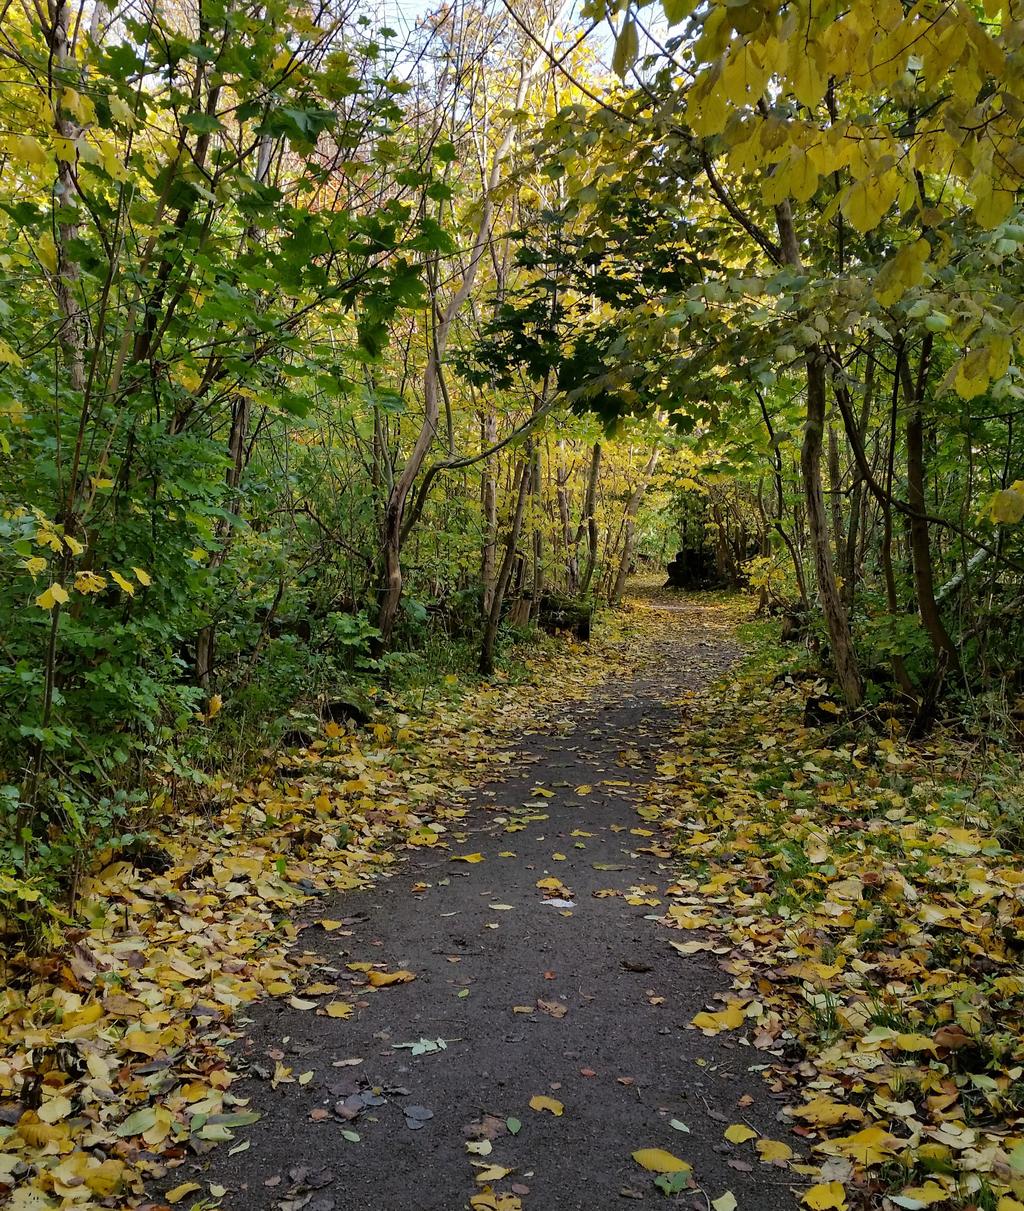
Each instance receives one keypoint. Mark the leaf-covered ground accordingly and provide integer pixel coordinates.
(866, 896)
(115, 1057)
(688, 951)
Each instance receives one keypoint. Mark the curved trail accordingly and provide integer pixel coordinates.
(607, 1034)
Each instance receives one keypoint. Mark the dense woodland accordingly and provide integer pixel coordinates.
(357, 385)
(333, 357)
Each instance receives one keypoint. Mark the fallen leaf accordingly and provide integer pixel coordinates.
(826, 1196)
(179, 1192)
(773, 1151)
(383, 979)
(739, 1133)
(657, 1160)
(726, 1019)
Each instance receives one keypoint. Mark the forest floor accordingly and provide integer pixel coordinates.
(635, 925)
(536, 976)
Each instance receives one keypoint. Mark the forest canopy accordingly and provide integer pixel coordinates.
(334, 358)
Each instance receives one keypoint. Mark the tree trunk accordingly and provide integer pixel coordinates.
(489, 507)
(206, 640)
(538, 535)
(507, 563)
(590, 520)
(851, 568)
(920, 544)
(843, 655)
(572, 559)
(394, 512)
(836, 620)
(632, 508)
(835, 496)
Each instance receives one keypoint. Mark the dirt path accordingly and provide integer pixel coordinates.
(608, 1034)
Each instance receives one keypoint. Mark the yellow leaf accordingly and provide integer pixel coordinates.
(902, 272)
(738, 1133)
(89, 582)
(866, 201)
(381, 979)
(143, 1043)
(214, 706)
(54, 595)
(867, 1147)
(471, 858)
(686, 918)
(120, 111)
(489, 1200)
(540, 1102)
(46, 250)
(657, 1160)
(823, 1112)
(1006, 1203)
(826, 1196)
(338, 1009)
(83, 1017)
(28, 149)
(914, 1042)
(179, 1192)
(37, 1134)
(54, 1109)
(142, 576)
(931, 1193)
(79, 105)
(492, 1173)
(1007, 506)
(126, 585)
(773, 1150)
(725, 1019)
(105, 1178)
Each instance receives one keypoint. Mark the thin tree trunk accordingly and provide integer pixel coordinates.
(851, 568)
(920, 544)
(835, 479)
(843, 655)
(394, 511)
(840, 638)
(572, 560)
(238, 454)
(632, 508)
(489, 508)
(507, 564)
(538, 535)
(590, 520)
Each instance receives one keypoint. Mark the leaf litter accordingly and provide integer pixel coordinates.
(859, 890)
(115, 1062)
(865, 894)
